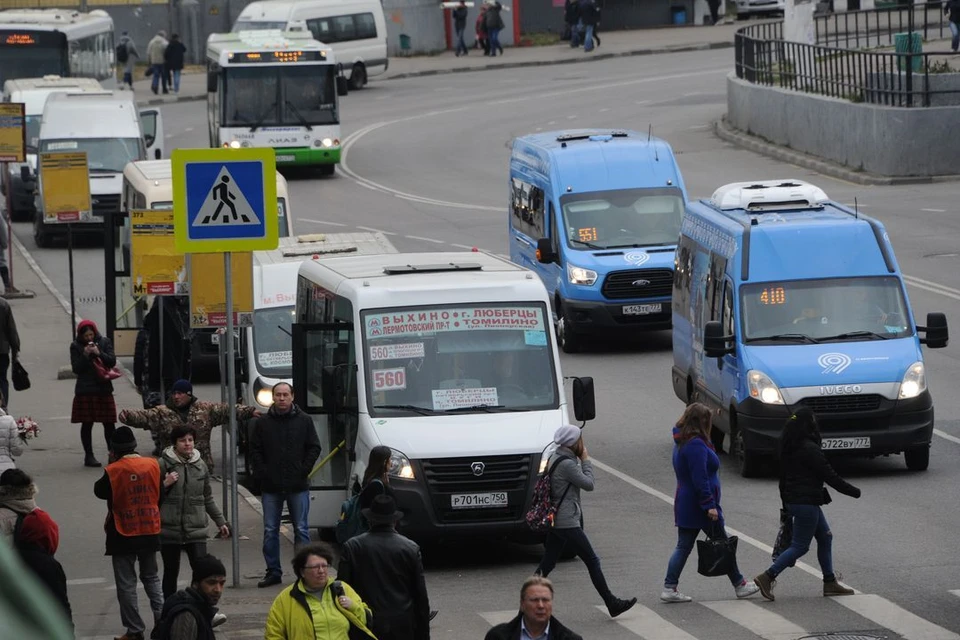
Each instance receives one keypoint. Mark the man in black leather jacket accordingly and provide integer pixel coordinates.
(386, 570)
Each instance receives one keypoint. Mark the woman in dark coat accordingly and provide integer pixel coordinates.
(803, 471)
(173, 60)
(93, 397)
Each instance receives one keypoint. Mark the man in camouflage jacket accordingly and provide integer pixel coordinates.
(184, 409)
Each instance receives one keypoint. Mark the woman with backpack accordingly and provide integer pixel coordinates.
(376, 480)
(570, 471)
(696, 505)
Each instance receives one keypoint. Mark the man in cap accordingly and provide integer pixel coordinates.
(131, 485)
(387, 571)
(191, 613)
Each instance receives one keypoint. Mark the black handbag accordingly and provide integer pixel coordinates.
(784, 535)
(21, 379)
(716, 556)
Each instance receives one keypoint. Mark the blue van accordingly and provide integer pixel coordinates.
(783, 298)
(597, 215)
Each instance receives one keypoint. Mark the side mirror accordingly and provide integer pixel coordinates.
(211, 81)
(937, 333)
(584, 401)
(545, 254)
(25, 173)
(331, 388)
(157, 154)
(342, 88)
(714, 342)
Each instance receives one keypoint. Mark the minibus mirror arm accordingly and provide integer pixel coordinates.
(937, 332)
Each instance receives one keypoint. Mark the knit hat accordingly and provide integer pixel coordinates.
(567, 435)
(123, 441)
(206, 566)
(39, 529)
(183, 386)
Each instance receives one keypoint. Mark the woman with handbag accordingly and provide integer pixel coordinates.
(803, 471)
(93, 362)
(696, 505)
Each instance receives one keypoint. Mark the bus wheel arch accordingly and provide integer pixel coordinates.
(567, 340)
(748, 462)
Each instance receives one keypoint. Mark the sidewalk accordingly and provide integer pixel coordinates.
(615, 44)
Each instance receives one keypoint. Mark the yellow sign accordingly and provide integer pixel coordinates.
(13, 143)
(208, 300)
(156, 267)
(66, 187)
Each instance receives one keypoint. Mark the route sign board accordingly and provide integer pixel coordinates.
(208, 295)
(65, 184)
(156, 267)
(13, 140)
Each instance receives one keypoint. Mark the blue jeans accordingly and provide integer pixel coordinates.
(576, 539)
(176, 80)
(158, 75)
(588, 38)
(299, 506)
(461, 45)
(575, 32)
(686, 538)
(494, 35)
(808, 523)
(955, 41)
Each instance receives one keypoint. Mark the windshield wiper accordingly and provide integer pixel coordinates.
(407, 407)
(589, 245)
(488, 408)
(263, 116)
(284, 330)
(104, 170)
(297, 113)
(856, 334)
(635, 245)
(786, 337)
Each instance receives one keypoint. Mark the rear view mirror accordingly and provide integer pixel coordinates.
(545, 254)
(714, 342)
(584, 401)
(342, 88)
(937, 334)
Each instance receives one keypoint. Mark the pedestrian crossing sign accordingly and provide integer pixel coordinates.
(224, 200)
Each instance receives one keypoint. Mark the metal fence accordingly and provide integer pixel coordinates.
(876, 27)
(907, 79)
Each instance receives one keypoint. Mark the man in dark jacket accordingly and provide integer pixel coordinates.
(283, 448)
(535, 617)
(9, 348)
(459, 26)
(386, 570)
(494, 23)
(190, 614)
(173, 60)
(953, 8)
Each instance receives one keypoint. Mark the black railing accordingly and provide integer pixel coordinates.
(876, 27)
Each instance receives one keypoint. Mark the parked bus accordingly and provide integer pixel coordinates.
(40, 42)
(276, 90)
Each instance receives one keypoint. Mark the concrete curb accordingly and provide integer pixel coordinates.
(726, 132)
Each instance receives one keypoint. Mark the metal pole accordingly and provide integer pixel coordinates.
(8, 186)
(163, 395)
(232, 404)
(221, 358)
(73, 302)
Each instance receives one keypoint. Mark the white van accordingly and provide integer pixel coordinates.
(33, 93)
(355, 29)
(113, 132)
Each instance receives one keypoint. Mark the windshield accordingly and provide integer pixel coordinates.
(251, 25)
(103, 154)
(162, 205)
(32, 132)
(26, 54)
(271, 96)
(824, 310)
(622, 218)
(272, 341)
(458, 358)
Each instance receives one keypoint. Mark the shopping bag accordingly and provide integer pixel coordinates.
(784, 535)
(104, 373)
(21, 379)
(716, 556)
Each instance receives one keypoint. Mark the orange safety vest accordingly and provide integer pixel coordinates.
(135, 483)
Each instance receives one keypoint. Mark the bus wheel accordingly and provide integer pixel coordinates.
(716, 437)
(326, 169)
(917, 458)
(566, 338)
(358, 76)
(748, 462)
(40, 235)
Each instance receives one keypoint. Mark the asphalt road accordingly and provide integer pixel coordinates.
(426, 162)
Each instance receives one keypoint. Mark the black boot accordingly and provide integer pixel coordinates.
(86, 440)
(90, 461)
(616, 606)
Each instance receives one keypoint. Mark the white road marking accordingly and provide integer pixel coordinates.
(934, 210)
(494, 618)
(759, 620)
(386, 233)
(647, 624)
(953, 439)
(932, 287)
(955, 592)
(81, 581)
(896, 618)
(604, 110)
(329, 222)
(426, 239)
(461, 246)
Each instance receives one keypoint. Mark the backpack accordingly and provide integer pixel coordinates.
(123, 54)
(352, 523)
(542, 510)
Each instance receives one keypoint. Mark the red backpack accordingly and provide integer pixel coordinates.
(542, 510)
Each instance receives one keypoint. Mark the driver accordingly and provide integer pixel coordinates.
(865, 312)
(809, 317)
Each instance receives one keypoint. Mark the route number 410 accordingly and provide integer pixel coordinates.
(389, 379)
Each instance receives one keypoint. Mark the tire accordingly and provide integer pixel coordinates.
(326, 170)
(917, 458)
(749, 463)
(358, 76)
(567, 340)
(716, 437)
(40, 235)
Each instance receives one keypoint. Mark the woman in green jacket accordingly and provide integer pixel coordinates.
(316, 606)
(188, 500)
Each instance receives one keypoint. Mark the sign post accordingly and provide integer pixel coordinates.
(225, 200)
(13, 148)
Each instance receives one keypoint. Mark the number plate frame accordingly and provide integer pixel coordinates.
(846, 444)
(642, 309)
(286, 158)
(490, 500)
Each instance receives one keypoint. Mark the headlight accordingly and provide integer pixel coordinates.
(545, 459)
(914, 381)
(265, 397)
(762, 388)
(579, 275)
(400, 466)
(327, 142)
(233, 144)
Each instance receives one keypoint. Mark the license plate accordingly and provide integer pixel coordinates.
(642, 309)
(478, 500)
(845, 443)
(286, 158)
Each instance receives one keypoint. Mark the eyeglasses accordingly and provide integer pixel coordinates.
(316, 567)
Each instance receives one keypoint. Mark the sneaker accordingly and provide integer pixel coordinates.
(616, 606)
(765, 584)
(746, 589)
(218, 619)
(673, 595)
(269, 580)
(834, 588)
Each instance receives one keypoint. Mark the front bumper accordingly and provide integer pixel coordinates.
(606, 317)
(305, 156)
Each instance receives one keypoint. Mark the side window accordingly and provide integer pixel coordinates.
(728, 325)
(139, 201)
(718, 265)
(527, 209)
(344, 28)
(553, 230)
(322, 30)
(366, 26)
(683, 267)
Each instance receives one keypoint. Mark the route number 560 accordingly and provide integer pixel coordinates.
(387, 379)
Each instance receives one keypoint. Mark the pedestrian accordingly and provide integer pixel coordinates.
(386, 569)
(155, 50)
(9, 442)
(589, 15)
(35, 535)
(571, 18)
(93, 395)
(317, 607)
(494, 24)
(9, 348)
(187, 502)
(459, 26)
(376, 477)
(714, 6)
(283, 449)
(535, 620)
(173, 58)
(696, 503)
(953, 8)
(480, 27)
(191, 613)
(573, 471)
(182, 408)
(127, 55)
(8, 287)
(131, 485)
(803, 471)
